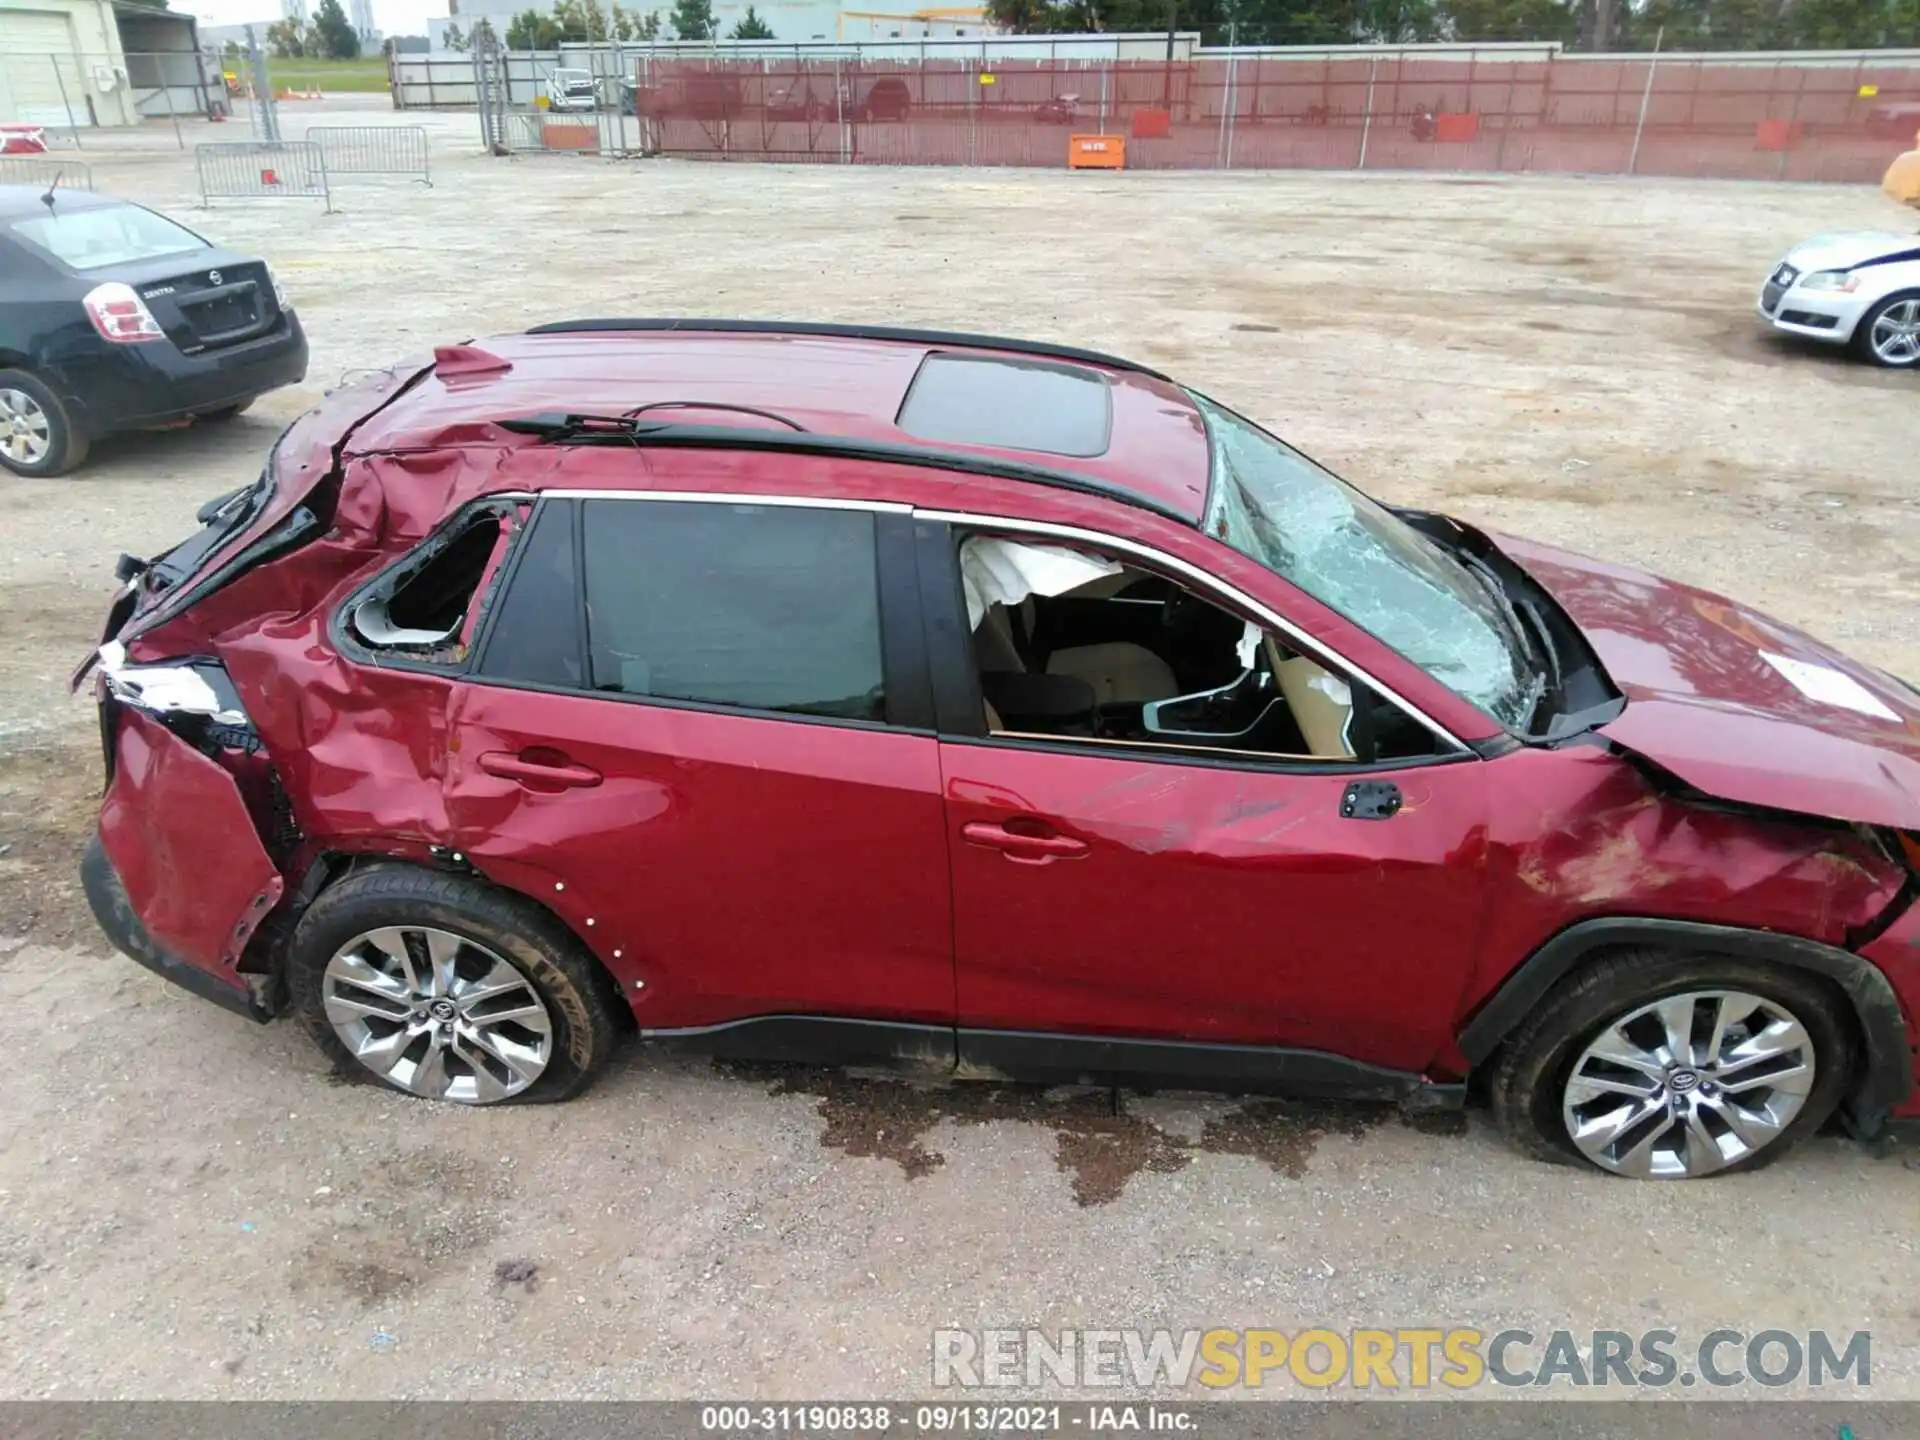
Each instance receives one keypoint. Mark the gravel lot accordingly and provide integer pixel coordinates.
(188, 1208)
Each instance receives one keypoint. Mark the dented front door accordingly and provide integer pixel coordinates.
(1149, 897)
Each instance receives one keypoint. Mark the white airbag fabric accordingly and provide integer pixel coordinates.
(1005, 572)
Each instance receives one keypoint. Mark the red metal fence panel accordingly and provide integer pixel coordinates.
(1808, 118)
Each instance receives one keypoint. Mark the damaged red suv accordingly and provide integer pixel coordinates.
(817, 693)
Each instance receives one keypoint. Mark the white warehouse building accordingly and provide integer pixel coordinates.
(63, 62)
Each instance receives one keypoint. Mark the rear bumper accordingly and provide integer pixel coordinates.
(176, 874)
(127, 387)
(107, 895)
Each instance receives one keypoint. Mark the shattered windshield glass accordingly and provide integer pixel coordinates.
(1274, 505)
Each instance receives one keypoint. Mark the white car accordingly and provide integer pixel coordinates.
(1862, 288)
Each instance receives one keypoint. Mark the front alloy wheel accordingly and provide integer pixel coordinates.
(1689, 1084)
(1659, 1064)
(438, 1015)
(1892, 332)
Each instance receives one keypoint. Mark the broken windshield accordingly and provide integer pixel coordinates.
(1353, 555)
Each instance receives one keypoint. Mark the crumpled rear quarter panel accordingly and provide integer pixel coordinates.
(177, 832)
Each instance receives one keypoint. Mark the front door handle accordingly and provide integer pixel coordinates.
(1023, 849)
(539, 769)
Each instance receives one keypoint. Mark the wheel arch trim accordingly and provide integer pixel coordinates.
(1886, 1076)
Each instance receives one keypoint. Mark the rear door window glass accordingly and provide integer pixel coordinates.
(536, 635)
(763, 607)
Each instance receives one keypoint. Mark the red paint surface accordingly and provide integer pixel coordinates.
(1215, 904)
(178, 834)
(741, 865)
(1702, 703)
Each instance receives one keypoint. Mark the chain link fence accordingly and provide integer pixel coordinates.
(1830, 116)
(58, 99)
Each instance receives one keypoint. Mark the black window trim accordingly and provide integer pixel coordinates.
(903, 658)
(956, 684)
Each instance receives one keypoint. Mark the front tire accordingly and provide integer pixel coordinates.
(1889, 334)
(448, 989)
(38, 434)
(1663, 1066)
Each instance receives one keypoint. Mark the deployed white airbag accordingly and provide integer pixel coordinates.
(1005, 572)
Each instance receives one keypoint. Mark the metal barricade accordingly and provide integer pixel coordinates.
(262, 169)
(67, 174)
(374, 150)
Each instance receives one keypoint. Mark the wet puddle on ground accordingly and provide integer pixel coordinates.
(1102, 1138)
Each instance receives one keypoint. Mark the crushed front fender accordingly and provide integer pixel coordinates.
(177, 876)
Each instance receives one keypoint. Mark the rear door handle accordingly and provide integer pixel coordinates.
(1023, 849)
(538, 769)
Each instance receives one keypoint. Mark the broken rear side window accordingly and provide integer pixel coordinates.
(428, 609)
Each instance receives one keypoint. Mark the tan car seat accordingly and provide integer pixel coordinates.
(1323, 719)
(1119, 673)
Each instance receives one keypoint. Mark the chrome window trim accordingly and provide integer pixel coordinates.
(737, 497)
(1300, 639)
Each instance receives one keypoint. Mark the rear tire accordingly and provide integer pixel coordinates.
(378, 1025)
(38, 434)
(1535, 1095)
(1889, 334)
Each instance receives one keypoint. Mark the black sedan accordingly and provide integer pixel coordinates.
(113, 317)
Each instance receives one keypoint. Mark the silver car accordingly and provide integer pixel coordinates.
(1861, 288)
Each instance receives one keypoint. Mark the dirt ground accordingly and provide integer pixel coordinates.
(188, 1207)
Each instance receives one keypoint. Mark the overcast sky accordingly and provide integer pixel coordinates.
(395, 17)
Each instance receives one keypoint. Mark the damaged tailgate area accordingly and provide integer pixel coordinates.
(178, 876)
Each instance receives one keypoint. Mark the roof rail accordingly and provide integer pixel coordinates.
(849, 332)
(559, 429)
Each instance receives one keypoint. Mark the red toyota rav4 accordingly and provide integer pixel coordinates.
(817, 693)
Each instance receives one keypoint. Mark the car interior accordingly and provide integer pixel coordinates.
(1070, 644)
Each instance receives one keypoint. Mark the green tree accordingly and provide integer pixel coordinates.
(286, 40)
(752, 27)
(649, 26)
(595, 21)
(693, 19)
(336, 37)
(530, 30)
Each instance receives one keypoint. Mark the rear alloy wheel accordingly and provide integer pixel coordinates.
(438, 1015)
(1890, 333)
(1660, 1066)
(446, 988)
(37, 437)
